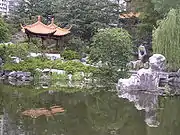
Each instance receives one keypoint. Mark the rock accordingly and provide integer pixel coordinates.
(5, 74)
(146, 79)
(47, 71)
(50, 56)
(58, 71)
(1, 61)
(53, 56)
(19, 75)
(16, 59)
(84, 59)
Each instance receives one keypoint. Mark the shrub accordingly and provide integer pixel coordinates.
(76, 44)
(70, 55)
(113, 47)
(4, 31)
(19, 50)
(31, 64)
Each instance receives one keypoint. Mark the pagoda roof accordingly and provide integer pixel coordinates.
(59, 31)
(129, 15)
(38, 28)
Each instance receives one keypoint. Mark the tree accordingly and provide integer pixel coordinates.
(166, 39)
(87, 16)
(27, 11)
(4, 31)
(31, 8)
(148, 18)
(164, 6)
(113, 47)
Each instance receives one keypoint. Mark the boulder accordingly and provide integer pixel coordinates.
(146, 79)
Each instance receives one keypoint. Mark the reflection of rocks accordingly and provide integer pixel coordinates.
(144, 101)
(18, 82)
(151, 118)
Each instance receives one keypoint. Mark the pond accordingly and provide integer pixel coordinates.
(26, 110)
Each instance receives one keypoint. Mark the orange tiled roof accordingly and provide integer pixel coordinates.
(129, 15)
(38, 28)
(59, 31)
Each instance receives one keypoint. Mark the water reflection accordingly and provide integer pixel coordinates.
(146, 101)
(87, 112)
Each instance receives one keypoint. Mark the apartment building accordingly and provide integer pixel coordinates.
(6, 6)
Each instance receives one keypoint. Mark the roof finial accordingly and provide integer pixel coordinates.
(52, 20)
(39, 18)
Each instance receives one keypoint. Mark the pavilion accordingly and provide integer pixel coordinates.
(129, 19)
(51, 31)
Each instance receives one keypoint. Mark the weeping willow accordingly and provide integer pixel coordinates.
(166, 39)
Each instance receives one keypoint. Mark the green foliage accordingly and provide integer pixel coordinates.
(56, 76)
(76, 44)
(100, 113)
(77, 76)
(164, 6)
(31, 64)
(4, 31)
(113, 47)
(166, 39)
(20, 50)
(87, 15)
(70, 55)
(10, 50)
(142, 33)
(28, 9)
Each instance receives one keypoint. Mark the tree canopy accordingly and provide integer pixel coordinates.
(166, 39)
(4, 31)
(164, 6)
(113, 47)
(86, 16)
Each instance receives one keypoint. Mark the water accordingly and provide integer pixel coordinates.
(87, 112)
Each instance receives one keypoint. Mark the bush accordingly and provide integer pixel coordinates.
(113, 47)
(31, 64)
(76, 44)
(70, 55)
(20, 50)
(4, 31)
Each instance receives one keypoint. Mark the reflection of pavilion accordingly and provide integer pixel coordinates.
(35, 113)
(144, 101)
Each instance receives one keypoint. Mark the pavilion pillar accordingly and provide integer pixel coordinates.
(57, 44)
(61, 45)
(29, 40)
(42, 41)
